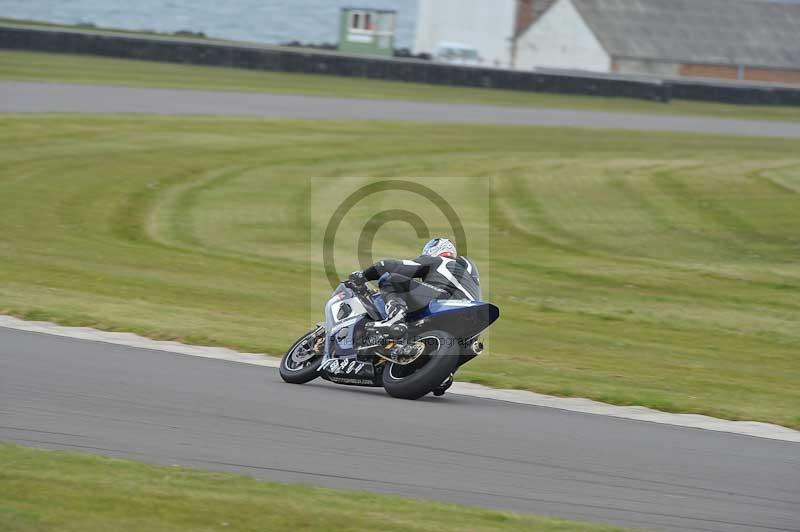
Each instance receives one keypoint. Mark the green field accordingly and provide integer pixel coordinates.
(46, 490)
(34, 66)
(633, 268)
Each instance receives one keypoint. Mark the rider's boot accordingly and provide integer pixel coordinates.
(394, 327)
(396, 311)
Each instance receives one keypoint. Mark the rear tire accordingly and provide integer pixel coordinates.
(293, 368)
(414, 381)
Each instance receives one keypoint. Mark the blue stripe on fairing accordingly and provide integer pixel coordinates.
(441, 306)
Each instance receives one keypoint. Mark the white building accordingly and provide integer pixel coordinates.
(726, 39)
(561, 39)
(486, 25)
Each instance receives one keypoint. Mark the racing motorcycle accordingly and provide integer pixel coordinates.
(345, 350)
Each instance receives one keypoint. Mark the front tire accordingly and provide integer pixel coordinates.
(299, 365)
(422, 376)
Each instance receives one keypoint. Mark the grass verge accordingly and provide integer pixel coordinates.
(52, 490)
(35, 66)
(633, 268)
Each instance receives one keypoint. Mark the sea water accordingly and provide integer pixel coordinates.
(264, 21)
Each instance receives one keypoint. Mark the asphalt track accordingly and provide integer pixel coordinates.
(34, 97)
(168, 408)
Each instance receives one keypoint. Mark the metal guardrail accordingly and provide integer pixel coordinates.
(312, 61)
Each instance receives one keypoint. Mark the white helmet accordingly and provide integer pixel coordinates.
(440, 247)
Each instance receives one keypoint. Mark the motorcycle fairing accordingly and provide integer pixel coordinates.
(461, 318)
(464, 319)
(350, 370)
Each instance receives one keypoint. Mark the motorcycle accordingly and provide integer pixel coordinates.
(345, 350)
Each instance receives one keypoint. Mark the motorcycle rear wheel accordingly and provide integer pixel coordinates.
(295, 368)
(421, 377)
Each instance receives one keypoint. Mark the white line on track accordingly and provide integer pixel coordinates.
(748, 428)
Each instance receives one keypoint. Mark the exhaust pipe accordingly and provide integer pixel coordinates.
(477, 347)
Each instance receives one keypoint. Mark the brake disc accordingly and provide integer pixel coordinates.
(304, 354)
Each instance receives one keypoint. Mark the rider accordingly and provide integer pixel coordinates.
(409, 285)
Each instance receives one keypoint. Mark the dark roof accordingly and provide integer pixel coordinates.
(699, 31)
(537, 9)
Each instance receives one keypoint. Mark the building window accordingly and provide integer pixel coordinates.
(361, 21)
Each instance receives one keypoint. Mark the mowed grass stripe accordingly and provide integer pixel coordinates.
(633, 268)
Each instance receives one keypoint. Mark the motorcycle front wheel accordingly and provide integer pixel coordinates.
(301, 362)
(437, 362)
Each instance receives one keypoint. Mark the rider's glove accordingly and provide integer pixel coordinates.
(358, 278)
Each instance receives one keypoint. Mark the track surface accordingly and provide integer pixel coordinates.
(167, 408)
(68, 98)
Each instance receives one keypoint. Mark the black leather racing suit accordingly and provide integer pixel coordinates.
(419, 281)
